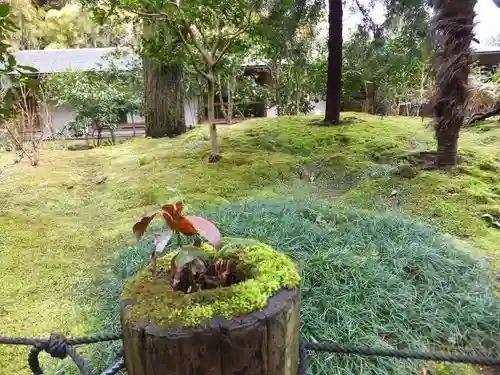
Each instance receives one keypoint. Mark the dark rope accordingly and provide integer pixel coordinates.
(402, 354)
(75, 341)
(303, 357)
(60, 347)
(119, 365)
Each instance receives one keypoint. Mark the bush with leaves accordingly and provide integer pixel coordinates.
(15, 82)
(100, 99)
(289, 39)
(11, 73)
(398, 69)
(484, 90)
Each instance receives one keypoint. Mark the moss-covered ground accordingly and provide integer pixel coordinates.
(63, 232)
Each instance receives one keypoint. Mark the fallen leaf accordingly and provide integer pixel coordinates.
(198, 266)
(488, 217)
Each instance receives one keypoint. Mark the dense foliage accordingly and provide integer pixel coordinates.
(101, 100)
(398, 65)
(12, 75)
(64, 26)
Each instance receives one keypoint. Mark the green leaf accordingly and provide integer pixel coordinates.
(4, 9)
(11, 59)
(187, 254)
(28, 68)
(488, 218)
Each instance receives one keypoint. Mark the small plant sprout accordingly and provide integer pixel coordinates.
(192, 268)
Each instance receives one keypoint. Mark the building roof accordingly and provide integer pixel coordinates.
(481, 49)
(60, 60)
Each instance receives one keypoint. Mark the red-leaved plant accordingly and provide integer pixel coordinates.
(189, 270)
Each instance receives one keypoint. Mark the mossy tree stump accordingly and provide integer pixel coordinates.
(264, 342)
(167, 332)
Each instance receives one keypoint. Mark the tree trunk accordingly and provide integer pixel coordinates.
(261, 343)
(455, 30)
(215, 156)
(334, 73)
(133, 122)
(113, 136)
(297, 102)
(230, 99)
(279, 104)
(164, 99)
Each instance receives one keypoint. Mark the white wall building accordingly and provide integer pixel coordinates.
(60, 60)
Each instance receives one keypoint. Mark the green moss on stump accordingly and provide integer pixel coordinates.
(267, 271)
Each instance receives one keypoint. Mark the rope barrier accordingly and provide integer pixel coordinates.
(59, 346)
(401, 354)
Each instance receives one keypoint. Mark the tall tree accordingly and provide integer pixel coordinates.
(334, 67)
(455, 31)
(164, 92)
(162, 67)
(206, 32)
(289, 42)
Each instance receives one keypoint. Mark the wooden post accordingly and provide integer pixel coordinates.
(261, 343)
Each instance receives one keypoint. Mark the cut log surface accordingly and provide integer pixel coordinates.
(261, 343)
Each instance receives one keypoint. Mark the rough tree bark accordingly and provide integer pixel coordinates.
(455, 31)
(261, 343)
(164, 99)
(334, 72)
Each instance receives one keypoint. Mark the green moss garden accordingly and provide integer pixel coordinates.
(384, 260)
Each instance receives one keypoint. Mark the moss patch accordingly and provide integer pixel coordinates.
(267, 270)
(86, 226)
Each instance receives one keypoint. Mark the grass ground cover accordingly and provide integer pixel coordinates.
(63, 231)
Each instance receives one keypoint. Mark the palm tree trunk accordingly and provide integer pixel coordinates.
(334, 73)
(455, 31)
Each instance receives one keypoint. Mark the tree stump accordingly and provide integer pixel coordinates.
(261, 343)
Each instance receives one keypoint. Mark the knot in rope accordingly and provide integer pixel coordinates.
(57, 346)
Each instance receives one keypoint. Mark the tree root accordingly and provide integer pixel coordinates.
(480, 116)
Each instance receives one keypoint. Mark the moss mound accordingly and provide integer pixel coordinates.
(267, 271)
